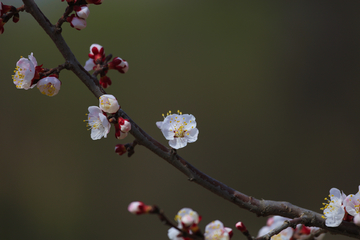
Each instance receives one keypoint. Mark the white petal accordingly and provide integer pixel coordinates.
(193, 135)
(169, 135)
(178, 143)
(89, 65)
(33, 59)
(159, 124)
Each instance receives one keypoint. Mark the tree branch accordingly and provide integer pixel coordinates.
(259, 207)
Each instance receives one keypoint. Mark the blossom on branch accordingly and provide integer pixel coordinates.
(26, 72)
(334, 210)
(98, 123)
(49, 86)
(216, 231)
(179, 129)
(108, 103)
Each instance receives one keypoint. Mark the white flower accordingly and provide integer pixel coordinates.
(25, 72)
(334, 210)
(108, 103)
(179, 129)
(49, 86)
(352, 203)
(89, 65)
(82, 11)
(216, 231)
(98, 122)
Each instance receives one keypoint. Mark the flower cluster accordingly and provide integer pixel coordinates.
(340, 207)
(98, 120)
(187, 221)
(179, 129)
(27, 76)
(98, 61)
(300, 232)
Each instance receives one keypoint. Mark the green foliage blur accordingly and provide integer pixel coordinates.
(274, 86)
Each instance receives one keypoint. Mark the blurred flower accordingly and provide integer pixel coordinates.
(82, 11)
(179, 129)
(98, 122)
(2, 23)
(76, 22)
(216, 231)
(49, 86)
(352, 203)
(187, 211)
(334, 210)
(273, 223)
(139, 208)
(25, 72)
(108, 103)
(119, 64)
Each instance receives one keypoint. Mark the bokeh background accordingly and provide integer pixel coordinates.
(274, 86)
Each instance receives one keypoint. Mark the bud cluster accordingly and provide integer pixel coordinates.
(14, 14)
(99, 62)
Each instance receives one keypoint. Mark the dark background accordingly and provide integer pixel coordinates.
(274, 86)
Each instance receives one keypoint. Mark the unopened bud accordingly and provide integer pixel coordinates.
(76, 22)
(120, 149)
(108, 103)
(82, 11)
(125, 125)
(240, 226)
(105, 81)
(139, 208)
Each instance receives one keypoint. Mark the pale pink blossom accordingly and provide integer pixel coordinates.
(25, 72)
(98, 123)
(49, 86)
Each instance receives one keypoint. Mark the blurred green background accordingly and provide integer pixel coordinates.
(274, 86)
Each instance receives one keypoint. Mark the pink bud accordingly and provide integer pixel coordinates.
(119, 64)
(125, 125)
(240, 226)
(82, 11)
(120, 149)
(75, 22)
(136, 208)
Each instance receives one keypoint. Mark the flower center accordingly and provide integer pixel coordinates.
(48, 89)
(18, 77)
